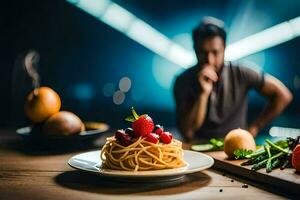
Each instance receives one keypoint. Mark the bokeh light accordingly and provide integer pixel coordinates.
(125, 84)
(118, 97)
(296, 82)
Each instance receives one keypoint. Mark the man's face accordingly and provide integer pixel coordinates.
(211, 53)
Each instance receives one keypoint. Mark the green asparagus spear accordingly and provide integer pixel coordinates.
(264, 162)
(259, 165)
(277, 147)
(269, 162)
(256, 153)
(282, 143)
(255, 160)
(276, 163)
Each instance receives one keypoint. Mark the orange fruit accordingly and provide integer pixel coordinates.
(41, 103)
(63, 123)
(238, 139)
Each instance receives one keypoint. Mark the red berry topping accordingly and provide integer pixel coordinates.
(152, 137)
(131, 133)
(171, 135)
(158, 129)
(143, 125)
(166, 137)
(123, 138)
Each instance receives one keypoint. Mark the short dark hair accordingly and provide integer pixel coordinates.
(207, 28)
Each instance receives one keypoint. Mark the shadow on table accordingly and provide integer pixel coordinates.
(106, 185)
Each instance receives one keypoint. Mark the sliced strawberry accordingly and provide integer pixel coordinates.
(123, 138)
(158, 129)
(166, 137)
(143, 125)
(152, 137)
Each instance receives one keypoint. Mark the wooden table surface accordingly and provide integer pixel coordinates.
(27, 173)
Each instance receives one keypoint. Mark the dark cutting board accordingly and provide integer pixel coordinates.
(284, 181)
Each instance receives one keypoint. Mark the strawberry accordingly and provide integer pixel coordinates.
(142, 125)
(158, 129)
(166, 137)
(123, 138)
(152, 137)
(170, 134)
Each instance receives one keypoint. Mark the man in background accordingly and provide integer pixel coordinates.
(211, 97)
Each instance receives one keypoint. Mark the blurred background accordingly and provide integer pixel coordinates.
(102, 57)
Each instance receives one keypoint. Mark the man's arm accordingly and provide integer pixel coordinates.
(278, 98)
(191, 117)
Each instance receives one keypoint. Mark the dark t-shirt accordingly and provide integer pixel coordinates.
(227, 105)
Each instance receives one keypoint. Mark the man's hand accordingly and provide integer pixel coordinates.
(206, 77)
(253, 129)
(191, 116)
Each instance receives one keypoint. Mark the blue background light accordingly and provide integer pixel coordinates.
(83, 58)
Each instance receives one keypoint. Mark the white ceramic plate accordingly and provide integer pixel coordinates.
(90, 162)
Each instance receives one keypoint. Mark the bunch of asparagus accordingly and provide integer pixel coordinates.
(271, 155)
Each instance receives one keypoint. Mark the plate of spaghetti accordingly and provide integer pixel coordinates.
(144, 150)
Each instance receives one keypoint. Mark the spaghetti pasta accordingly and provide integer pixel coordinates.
(142, 155)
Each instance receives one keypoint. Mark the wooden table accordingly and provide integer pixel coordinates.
(27, 174)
